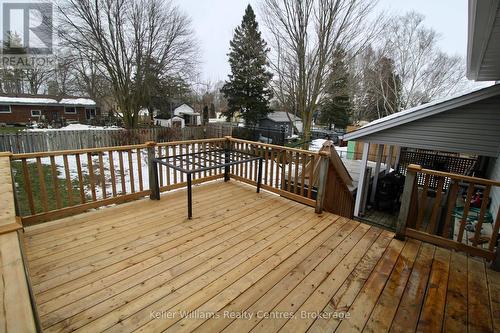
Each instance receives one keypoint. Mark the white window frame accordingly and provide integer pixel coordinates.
(66, 108)
(39, 113)
(10, 109)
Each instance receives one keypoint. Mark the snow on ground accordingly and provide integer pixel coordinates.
(74, 127)
(73, 171)
(318, 143)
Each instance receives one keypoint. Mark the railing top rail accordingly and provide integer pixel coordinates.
(455, 176)
(75, 151)
(302, 151)
(183, 142)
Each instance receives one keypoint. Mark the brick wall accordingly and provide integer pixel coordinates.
(21, 114)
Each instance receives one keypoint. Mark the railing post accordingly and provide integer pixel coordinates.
(411, 176)
(323, 173)
(227, 152)
(153, 172)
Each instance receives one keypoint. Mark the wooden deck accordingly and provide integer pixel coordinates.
(248, 262)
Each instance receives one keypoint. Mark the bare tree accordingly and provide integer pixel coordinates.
(132, 42)
(425, 71)
(305, 34)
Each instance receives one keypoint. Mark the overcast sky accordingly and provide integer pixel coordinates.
(214, 22)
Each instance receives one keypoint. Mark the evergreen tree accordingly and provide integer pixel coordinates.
(247, 90)
(337, 106)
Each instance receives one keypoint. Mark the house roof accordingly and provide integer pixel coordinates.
(423, 111)
(185, 109)
(27, 100)
(77, 101)
(281, 117)
(483, 44)
(46, 100)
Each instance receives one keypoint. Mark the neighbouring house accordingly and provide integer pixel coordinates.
(183, 115)
(21, 110)
(175, 121)
(280, 119)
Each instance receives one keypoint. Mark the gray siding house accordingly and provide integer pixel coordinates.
(279, 119)
(467, 124)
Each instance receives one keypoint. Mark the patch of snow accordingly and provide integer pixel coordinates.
(77, 101)
(27, 100)
(74, 127)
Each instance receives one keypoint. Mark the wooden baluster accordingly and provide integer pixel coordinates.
(194, 161)
(431, 227)
(283, 169)
(246, 165)
(131, 170)
(27, 186)
(296, 176)
(463, 222)
(203, 154)
(69, 186)
(55, 182)
(423, 202)
(139, 169)
(160, 167)
(452, 200)
(83, 198)
(279, 162)
(90, 168)
(494, 236)
(311, 176)
(266, 166)
(482, 212)
(43, 189)
(303, 174)
(182, 151)
(290, 158)
(167, 155)
(407, 200)
(122, 173)
(271, 167)
(112, 172)
(174, 161)
(240, 166)
(103, 176)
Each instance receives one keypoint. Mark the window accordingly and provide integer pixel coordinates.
(36, 113)
(5, 108)
(69, 109)
(90, 114)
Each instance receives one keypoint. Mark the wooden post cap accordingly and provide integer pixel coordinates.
(150, 143)
(414, 167)
(6, 154)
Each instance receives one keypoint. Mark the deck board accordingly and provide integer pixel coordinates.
(247, 253)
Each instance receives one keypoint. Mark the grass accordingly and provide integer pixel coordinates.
(10, 130)
(22, 197)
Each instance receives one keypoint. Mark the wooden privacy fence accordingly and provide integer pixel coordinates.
(452, 217)
(51, 185)
(55, 140)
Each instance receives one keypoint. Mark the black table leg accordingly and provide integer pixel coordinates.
(259, 176)
(190, 194)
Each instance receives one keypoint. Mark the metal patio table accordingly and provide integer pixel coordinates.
(196, 162)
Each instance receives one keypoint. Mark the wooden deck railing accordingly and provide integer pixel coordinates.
(51, 185)
(448, 217)
(17, 308)
(286, 171)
